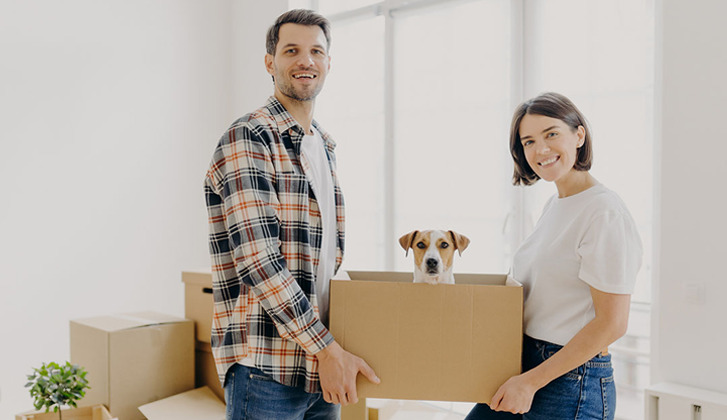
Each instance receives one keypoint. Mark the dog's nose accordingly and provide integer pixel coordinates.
(431, 263)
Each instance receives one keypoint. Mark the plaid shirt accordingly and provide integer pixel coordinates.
(265, 238)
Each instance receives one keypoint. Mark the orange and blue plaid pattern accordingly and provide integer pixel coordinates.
(265, 237)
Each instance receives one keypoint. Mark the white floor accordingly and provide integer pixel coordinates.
(419, 410)
(629, 408)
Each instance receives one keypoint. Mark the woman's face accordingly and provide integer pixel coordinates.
(550, 146)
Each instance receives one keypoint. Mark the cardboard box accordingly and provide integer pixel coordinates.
(430, 342)
(97, 412)
(199, 302)
(198, 404)
(198, 306)
(133, 359)
(205, 371)
(358, 411)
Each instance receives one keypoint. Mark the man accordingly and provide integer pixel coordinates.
(276, 238)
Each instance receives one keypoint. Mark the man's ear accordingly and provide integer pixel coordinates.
(269, 64)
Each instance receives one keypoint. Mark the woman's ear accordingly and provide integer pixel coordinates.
(581, 133)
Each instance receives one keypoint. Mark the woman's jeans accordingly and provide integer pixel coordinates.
(254, 395)
(587, 392)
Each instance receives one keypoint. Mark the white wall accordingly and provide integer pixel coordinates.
(251, 83)
(689, 332)
(109, 112)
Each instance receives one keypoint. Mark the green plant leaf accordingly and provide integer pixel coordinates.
(54, 385)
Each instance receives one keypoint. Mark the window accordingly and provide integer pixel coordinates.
(357, 74)
(420, 97)
(451, 97)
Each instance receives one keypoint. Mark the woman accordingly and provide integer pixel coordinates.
(578, 269)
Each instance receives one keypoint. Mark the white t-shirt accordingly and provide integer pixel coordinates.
(586, 240)
(318, 172)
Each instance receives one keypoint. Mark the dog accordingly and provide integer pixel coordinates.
(433, 254)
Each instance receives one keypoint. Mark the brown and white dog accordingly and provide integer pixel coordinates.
(433, 254)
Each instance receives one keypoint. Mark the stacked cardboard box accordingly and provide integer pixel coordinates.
(144, 358)
(198, 306)
(133, 359)
(445, 342)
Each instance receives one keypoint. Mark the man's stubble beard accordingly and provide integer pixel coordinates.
(287, 89)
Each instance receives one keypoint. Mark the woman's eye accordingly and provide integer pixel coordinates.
(527, 143)
(421, 245)
(444, 245)
(553, 134)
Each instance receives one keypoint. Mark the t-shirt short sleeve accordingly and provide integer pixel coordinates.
(611, 253)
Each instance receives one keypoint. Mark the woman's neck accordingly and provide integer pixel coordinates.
(574, 183)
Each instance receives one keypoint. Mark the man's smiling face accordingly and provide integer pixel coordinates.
(301, 62)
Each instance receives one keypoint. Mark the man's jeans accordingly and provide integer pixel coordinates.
(585, 393)
(254, 395)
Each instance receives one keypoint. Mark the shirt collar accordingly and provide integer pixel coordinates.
(286, 123)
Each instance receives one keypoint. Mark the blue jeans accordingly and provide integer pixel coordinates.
(587, 392)
(253, 395)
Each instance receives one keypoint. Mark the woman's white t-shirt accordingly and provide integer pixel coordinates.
(585, 240)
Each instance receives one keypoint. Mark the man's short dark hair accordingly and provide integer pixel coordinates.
(301, 17)
(553, 105)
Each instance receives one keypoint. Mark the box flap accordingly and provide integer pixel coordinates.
(125, 321)
(201, 277)
(151, 318)
(198, 404)
(408, 277)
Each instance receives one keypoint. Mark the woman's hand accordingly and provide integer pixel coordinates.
(515, 395)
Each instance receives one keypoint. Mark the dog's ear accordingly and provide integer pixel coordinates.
(460, 241)
(407, 240)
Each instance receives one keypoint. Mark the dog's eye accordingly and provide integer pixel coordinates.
(444, 245)
(421, 245)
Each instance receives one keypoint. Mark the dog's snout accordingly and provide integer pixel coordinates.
(432, 263)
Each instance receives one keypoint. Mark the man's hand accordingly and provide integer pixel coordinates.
(338, 369)
(514, 396)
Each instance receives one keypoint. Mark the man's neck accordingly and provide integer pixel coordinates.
(302, 111)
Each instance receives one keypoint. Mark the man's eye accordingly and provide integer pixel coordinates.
(421, 245)
(444, 245)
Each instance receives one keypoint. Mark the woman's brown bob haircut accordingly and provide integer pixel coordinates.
(553, 105)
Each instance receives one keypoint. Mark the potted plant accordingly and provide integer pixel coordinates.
(54, 385)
